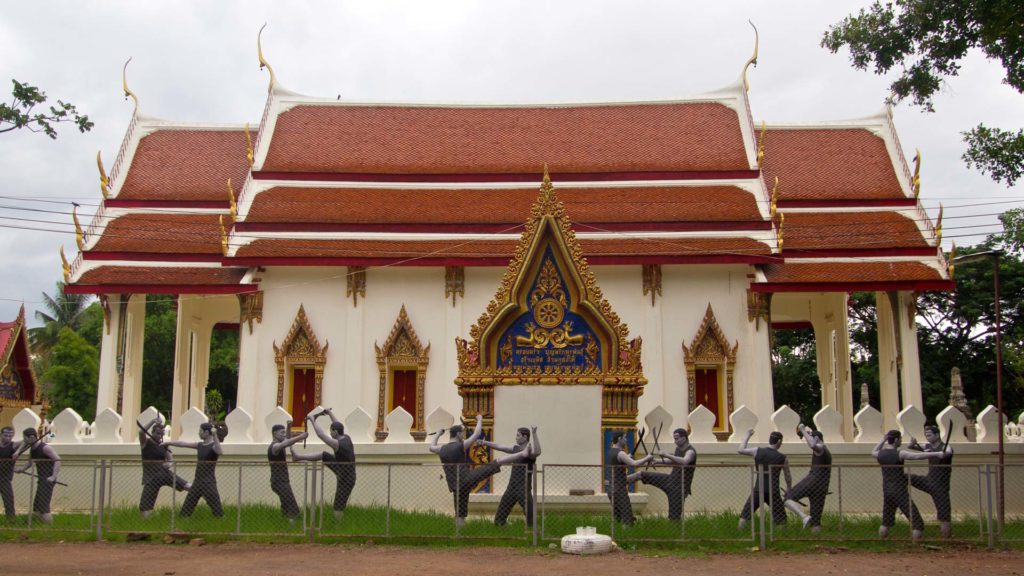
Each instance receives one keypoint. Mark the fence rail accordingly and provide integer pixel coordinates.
(329, 500)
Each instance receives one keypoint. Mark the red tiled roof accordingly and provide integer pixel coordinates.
(411, 251)
(850, 230)
(186, 165)
(850, 272)
(648, 204)
(157, 275)
(702, 136)
(162, 233)
(829, 164)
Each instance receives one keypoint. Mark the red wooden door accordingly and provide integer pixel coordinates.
(403, 392)
(303, 394)
(706, 391)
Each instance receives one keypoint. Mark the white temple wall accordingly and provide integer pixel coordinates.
(106, 388)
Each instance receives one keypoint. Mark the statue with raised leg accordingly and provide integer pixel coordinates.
(8, 451)
(280, 483)
(520, 481)
(341, 460)
(676, 484)
(204, 483)
(157, 465)
(460, 477)
(936, 482)
(895, 489)
(772, 462)
(814, 486)
(47, 464)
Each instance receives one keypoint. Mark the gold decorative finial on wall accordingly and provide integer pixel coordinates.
(104, 180)
(949, 263)
(249, 154)
(760, 144)
(915, 182)
(79, 237)
(753, 58)
(65, 266)
(263, 61)
(774, 207)
(938, 227)
(231, 199)
(124, 84)
(223, 237)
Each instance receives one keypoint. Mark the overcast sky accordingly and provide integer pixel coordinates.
(196, 62)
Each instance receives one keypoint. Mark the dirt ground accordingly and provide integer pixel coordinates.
(53, 559)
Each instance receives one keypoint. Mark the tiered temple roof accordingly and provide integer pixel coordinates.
(324, 182)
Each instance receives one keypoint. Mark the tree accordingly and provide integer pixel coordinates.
(73, 374)
(19, 113)
(794, 373)
(63, 310)
(927, 39)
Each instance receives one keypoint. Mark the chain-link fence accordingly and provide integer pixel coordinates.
(712, 502)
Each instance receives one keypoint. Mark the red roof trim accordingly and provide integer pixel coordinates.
(918, 285)
(510, 227)
(852, 203)
(490, 261)
(161, 288)
(858, 252)
(191, 204)
(151, 256)
(497, 177)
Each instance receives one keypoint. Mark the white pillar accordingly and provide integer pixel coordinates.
(888, 369)
(135, 339)
(832, 340)
(106, 387)
(249, 371)
(910, 372)
(183, 352)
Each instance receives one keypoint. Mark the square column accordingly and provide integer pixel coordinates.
(910, 371)
(135, 340)
(888, 359)
(832, 340)
(185, 346)
(110, 350)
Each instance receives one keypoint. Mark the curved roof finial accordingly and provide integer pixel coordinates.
(79, 235)
(124, 84)
(263, 61)
(950, 265)
(938, 227)
(104, 179)
(233, 206)
(65, 267)
(223, 237)
(781, 234)
(915, 181)
(753, 58)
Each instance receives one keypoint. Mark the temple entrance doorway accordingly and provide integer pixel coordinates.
(708, 392)
(403, 391)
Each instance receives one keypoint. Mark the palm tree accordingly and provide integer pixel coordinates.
(62, 310)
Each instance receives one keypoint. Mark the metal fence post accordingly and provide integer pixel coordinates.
(988, 491)
(387, 510)
(533, 499)
(543, 499)
(611, 499)
(313, 517)
(238, 515)
(981, 506)
(760, 499)
(174, 496)
(840, 488)
(102, 486)
(682, 504)
(458, 499)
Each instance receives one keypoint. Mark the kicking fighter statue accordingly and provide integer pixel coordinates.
(8, 451)
(616, 461)
(936, 483)
(677, 483)
(520, 482)
(771, 462)
(895, 492)
(460, 477)
(815, 485)
(157, 470)
(280, 483)
(204, 484)
(47, 468)
(341, 460)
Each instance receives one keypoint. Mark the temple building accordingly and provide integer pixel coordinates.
(509, 259)
(18, 388)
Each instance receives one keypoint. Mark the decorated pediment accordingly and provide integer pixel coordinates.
(710, 343)
(301, 344)
(549, 317)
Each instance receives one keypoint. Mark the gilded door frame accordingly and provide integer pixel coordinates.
(299, 347)
(708, 348)
(402, 350)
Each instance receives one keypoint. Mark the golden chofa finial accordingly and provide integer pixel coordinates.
(781, 233)
(79, 236)
(249, 154)
(104, 180)
(760, 145)
(124, 84)
(65, 266)
(547, 190)
(950, 266)
(263, 61)
(223, 237)
(753, 58)
(915, 182)
(231, 199)
(774, 207)
(938, 227)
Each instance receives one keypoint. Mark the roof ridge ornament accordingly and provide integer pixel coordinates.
(124, 85)
(774, 206)
(938, 227)
(223, 237)
(781, 233)
(753, 57)
(760, 144)
(263, 61)
(250, 154)
(79, 237)
(104, 179)
(65, 266)
(915, 182)
(950, 266)
(231, 199)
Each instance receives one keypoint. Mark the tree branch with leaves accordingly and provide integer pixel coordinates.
(22, 112)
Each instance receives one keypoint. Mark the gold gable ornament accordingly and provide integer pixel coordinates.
(300, 346)
(402, 349)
